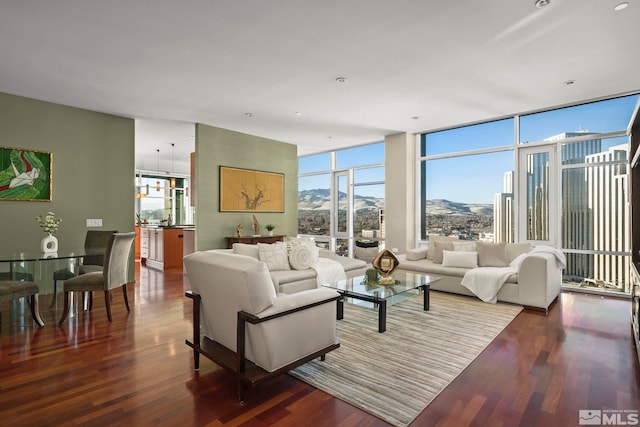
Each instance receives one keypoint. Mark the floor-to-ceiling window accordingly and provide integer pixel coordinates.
(341, 197)
(163, 198)
(566, 185)
(467, 179)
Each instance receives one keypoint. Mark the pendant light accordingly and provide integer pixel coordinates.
(173, 162)
(158, 169)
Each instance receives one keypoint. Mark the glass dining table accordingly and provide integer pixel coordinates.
(40, 267)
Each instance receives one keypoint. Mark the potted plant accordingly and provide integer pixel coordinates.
(270, 228)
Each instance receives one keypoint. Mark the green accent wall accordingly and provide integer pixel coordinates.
(93, 171)
(217, 147)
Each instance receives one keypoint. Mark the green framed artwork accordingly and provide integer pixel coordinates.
(25, 174)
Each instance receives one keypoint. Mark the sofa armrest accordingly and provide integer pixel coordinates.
(285, 304)
(539, 280)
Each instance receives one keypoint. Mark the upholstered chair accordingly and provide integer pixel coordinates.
(94, 241)
(14, 289)
(114, 274)
(249, 329)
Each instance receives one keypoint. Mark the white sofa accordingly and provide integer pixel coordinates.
(535, 284)
(289, 281)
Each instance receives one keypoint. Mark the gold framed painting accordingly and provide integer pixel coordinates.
(25, 174)
(245, 190)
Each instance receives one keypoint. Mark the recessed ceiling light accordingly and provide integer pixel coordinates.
(542, 3)
(415, 117)
(569, 82)
(621, 6)
(341, 79)
(248, 115)
(329, 137)
(298, 113)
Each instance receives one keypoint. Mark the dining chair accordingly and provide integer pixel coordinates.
(94, 241)
(115, 274)
(14, 289)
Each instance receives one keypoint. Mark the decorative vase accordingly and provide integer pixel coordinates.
(49, 244)
(270, 232)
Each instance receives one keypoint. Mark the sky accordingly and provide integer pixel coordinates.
(476, 178)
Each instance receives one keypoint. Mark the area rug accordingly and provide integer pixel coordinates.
(396, 374)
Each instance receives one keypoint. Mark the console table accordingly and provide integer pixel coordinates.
(252, 240)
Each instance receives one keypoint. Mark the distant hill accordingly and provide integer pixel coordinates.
(319, 199)
(447, 207)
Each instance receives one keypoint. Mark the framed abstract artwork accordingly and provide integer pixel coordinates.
(25, 174)
(245, 190)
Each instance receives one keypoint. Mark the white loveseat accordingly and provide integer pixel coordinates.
(287, 279)
(534, 283)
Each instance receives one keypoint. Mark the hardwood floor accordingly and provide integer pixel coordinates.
(137, 371)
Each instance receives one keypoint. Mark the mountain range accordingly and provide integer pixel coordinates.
(320, 199)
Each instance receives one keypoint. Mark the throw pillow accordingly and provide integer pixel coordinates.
(464, 245)
(274, 255)
(417, 253)
(296, 241)
(461, 259)
(245, 249)
(515, 249)
(438, 247)
(300, 257)
(433, 238)
(492, 254)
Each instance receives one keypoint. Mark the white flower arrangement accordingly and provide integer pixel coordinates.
(49, 223)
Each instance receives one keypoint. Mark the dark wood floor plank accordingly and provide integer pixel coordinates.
(137, 370)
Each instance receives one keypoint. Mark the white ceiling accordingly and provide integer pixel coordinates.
(211, 61)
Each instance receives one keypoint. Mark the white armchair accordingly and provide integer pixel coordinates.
(249, 329)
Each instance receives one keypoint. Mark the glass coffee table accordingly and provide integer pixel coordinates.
(382, 296)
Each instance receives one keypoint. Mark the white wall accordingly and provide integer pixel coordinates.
(400, 191)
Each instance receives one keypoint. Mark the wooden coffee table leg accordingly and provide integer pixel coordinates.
(382, 316)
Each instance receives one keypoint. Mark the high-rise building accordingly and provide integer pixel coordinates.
(607, 200)
(577, 218)
(503, 224)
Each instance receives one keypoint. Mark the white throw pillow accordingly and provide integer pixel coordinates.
(461, 259)
(300, 257)
(515, 249)
(439, 248)
(417, 253)
(433, 238)
(492, 254)
(464, 245)
(297, 241)
(246, 249)
(274, 255)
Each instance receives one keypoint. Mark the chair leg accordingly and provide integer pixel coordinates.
(55, 294)
(67, 306)
(35, 311)
(126, 298)
(90, 300)
(107, 303)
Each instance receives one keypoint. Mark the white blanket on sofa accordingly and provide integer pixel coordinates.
(485, 282)
(328, 270)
